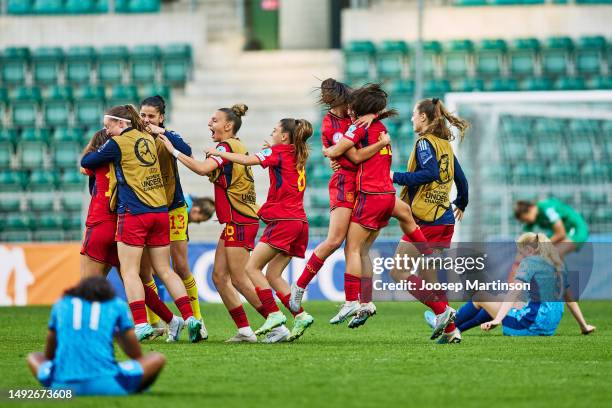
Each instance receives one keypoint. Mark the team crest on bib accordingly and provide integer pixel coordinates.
(337, 136)
(144, 153)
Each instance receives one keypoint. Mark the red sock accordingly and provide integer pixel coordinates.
(267, 300)
(365, 295)
(352, 286)
(449, 328)
(427, 297)
(156, 305)
(184, 307)
(239, 316)
(139, 311)
(310, 271)
(285, 301)
(262, 311)
(419, 241)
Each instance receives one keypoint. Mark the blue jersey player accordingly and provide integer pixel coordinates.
(79, 352)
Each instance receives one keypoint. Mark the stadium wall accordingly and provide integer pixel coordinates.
(474, 23)
(304, 24)
(104, 29)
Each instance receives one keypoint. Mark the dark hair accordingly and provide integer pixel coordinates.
(206, 205)
(157, 102)
(299, 131)
(97, 140)
(234, 115)
(94, 289)
(521, 207)
(334, 93)
(437, 115)
(371, 98)
(127, 112)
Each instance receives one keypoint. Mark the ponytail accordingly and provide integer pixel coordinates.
(544, 248)
(234, 115)
(129, 113)
(438, 116)
(299, 131)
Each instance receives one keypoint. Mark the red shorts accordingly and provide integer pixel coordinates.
(99, 243)
(289, 236)
(239, 235)
(342, 189)
(373, 211)
(438, 236)
(150, 229)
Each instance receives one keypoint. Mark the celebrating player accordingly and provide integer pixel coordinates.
(342, 189)
(79, 353)
(432, 169)
(286, 235)
(567, 230)
(152, 111)
(199, 209)
(142, 213)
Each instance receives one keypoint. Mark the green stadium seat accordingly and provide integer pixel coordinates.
(589, 55)
(24, 113)
(319, 201)
(31, 155)
(72, 222)
(124, 94)
(144, 63)
(112, 61)
(144, 6)
(514, 150)
(569, 84)
(17, 222)
(580, 150)
(3, 93)
(6, 154)
(533, 173)
(64, 134)
(16, 236)
(430, 60)
(42, 180)
(502, 173)
(566, 173)
(468, 85)
(41, 202)
(35, 135)
(176, 63)
(49, 236)
(401, 95)
(8, 135)
(599, 82)
(19, 7)
(602, 216)
(549, 129)
(89, 106)
(391, 59)
(12, 181)
(555, 56)
(594, 172)
(47, 62)
(536, 84)
(48, 7)
(66, 155)
(456, 58)
(594, 197)
(80, 6)
(436, 88)
(121, 6)
(470, 2)
(501, 85)
(57, 104)
(547, 149)
(47, 222)
(80, 63)
(516, 128)
(72, 202)
(72, 180)
(583, 128)
(155, 89)
(489, 58)
(522, 56)
(11, 203)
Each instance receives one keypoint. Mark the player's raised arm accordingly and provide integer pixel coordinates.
(203, 168)
(243, 159)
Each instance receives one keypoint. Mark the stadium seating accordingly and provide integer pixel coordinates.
(54, 7)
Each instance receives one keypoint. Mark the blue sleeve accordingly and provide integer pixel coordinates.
(525, 270)
(53, 319)
(107, 153)
(427, 169)
(178, 142)
(124, 317)
(462, 187)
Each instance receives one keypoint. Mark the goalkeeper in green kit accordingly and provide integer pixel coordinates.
(567, 230)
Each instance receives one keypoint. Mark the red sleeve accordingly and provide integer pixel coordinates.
(326, 132)
(355, 134)
(268, 157)
(222, 147)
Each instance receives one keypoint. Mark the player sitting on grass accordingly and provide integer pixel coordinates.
(79, 353)
(543, 269)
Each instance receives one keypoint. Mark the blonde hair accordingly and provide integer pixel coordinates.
(440, 118)
(544, 248)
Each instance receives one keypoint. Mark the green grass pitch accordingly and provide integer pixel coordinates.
(386, 363)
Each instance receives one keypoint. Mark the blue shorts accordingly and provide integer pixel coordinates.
(126, 381)
(535, 319)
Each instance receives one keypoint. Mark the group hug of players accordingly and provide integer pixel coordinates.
(137, 222)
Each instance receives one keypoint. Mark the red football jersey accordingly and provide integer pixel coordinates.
(286, 195)
(225, 212)
(373, 175)
(99, 206)
(332, 130)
